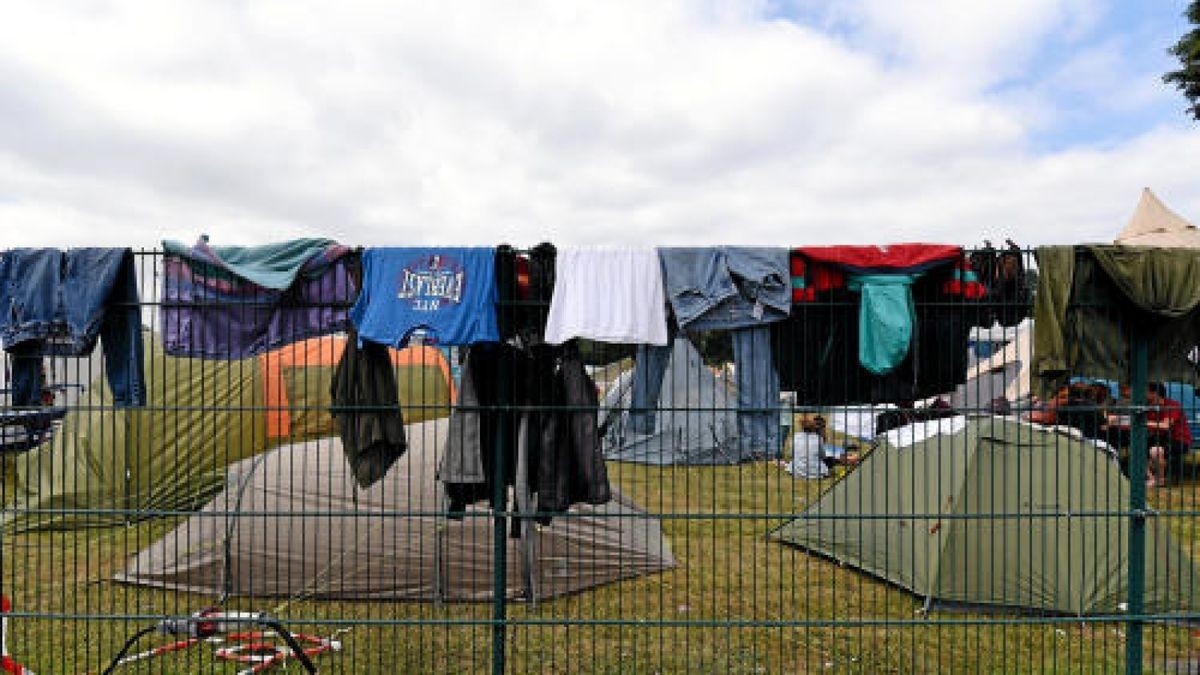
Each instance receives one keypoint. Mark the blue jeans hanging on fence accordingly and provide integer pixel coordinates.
(741, 290)
(757, 390)
(726, 287)
(649, 369)
(59, 303)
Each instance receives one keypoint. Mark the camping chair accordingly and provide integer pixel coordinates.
(22, 430)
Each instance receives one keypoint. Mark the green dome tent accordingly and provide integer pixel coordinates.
(940, 539)
(122, 463)
(107, 466)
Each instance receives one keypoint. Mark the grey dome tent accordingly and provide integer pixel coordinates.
(299, 529)
(920, 517)
(693, 422)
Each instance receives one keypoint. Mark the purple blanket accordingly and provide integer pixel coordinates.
(210, 312)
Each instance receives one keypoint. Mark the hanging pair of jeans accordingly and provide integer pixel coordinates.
(59, 303)
(729, 288)
(757, 390)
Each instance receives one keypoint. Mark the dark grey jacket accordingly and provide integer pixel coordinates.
(564, 461)
(366, 407)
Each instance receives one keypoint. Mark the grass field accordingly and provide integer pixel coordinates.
(728, 570)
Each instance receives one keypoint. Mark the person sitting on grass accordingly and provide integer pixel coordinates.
(1170, 437)
(819, 426)
(1080, 406)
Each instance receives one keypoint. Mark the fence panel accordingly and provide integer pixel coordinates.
(911, 518)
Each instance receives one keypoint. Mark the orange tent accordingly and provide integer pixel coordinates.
(296, 382)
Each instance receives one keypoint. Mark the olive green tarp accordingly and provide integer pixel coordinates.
(928, 518)
(107, 466)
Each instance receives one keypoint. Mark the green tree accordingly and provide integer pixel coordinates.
(715, 347)
(1187, 50)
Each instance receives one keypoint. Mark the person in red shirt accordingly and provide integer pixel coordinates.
(1169, 433)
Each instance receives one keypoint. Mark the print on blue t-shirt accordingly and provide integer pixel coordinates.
(449, 292)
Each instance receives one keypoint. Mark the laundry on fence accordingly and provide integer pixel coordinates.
(59, 303)
(228, 302)
(1089, 296)
(610, 295)
(876, 324)
(450, 293)
(552, 444)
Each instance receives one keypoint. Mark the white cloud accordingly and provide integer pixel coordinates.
(631, 122)
(974, 44)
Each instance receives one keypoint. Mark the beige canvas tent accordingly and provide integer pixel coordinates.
(384, 542)
(1153, 224)
(1003, 373)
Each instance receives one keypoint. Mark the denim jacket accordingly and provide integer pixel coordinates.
(726, 287)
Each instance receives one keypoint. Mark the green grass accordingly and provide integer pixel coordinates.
(728, 569)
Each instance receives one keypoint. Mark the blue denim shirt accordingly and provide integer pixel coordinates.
(60, 302)
(726, 287)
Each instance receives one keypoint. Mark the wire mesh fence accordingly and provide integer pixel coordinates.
(766, 502)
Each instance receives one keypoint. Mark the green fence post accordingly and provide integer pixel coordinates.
(499, 488)
(1138, 381)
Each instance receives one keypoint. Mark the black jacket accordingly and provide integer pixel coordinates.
(816, 349)
(366, 407)
(532, 281)
(558, 402)
(570, 464)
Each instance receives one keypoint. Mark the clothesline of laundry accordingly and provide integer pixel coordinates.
(831, 325)
(232, 302)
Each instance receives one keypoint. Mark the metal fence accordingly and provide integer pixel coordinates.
(223, 517)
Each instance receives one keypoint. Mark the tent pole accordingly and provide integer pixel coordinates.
(1138, 381)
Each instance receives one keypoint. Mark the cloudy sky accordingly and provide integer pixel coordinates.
(756, 121)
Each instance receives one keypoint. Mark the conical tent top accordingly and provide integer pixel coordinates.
(1153, 224)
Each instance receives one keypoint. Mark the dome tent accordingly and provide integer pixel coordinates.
(200, 416)
(693, 422)
(922, 518)
(340, 542)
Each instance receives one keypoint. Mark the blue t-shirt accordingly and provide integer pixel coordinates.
(450, 292)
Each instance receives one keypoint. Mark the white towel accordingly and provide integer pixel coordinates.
(610, 295)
